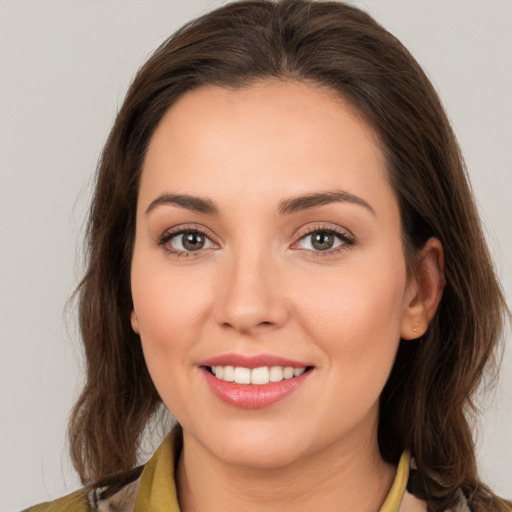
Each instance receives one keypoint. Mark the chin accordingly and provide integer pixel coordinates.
(258, 450)
(257, 458)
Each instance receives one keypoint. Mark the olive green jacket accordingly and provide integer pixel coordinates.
(152, 488)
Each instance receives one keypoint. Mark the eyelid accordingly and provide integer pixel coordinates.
(319, 226)
(343, 234)
(170, 233)
(346, 237)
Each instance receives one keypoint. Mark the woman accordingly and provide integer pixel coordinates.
(284, 251)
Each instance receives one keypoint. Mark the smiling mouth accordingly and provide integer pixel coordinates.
(256, 376)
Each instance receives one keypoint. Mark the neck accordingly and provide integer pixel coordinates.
(339, 478)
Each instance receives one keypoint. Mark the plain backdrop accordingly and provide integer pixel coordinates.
(64, 68)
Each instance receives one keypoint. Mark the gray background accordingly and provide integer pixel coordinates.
(64, 68)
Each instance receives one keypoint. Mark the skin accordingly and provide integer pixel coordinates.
(260, 286)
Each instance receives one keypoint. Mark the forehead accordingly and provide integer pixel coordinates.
(290, 135)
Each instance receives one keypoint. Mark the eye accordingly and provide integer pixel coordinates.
(186, 241)
(324, 240)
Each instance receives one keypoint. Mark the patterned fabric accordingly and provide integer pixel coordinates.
(152, 489)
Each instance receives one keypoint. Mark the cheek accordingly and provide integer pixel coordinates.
(355, 318)
(356, 323)
(169, 307)
(356, 298)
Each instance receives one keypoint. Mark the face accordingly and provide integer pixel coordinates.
(268, 244)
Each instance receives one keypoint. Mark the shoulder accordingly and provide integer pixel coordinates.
(119, 497)
(74, 502)
(120, 492)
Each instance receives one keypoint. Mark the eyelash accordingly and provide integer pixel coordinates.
(344, 236)
(169, 235)
(346, 239)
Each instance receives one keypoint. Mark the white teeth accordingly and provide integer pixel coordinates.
(229, 374)
(256, 376)
(242, 375)
(276, 374)
(288, 372)
(260, 376)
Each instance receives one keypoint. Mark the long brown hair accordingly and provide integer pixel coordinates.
(426, 402)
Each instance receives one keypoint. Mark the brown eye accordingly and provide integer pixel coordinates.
(193, 241)
(322, 240)
(186, 241)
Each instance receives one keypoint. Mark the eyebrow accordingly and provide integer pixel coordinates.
(194, 203)
(316, 199)
(286, 207)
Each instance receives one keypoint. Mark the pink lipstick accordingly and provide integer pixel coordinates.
(253, 382)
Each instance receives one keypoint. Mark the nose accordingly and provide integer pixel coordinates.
(250, 294)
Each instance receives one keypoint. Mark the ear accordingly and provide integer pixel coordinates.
(135, 322)
(424, 290)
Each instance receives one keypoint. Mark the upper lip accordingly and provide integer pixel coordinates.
(253, 361)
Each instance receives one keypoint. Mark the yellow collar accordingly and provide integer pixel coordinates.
(157, 488)
(396, 494)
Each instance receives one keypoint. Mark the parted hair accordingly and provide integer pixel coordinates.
(428, 402)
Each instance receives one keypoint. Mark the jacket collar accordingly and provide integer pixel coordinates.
(155, 489)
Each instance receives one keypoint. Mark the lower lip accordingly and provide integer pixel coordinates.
(249, 396)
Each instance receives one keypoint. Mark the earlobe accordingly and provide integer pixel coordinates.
(135, 322)
(425, 290)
